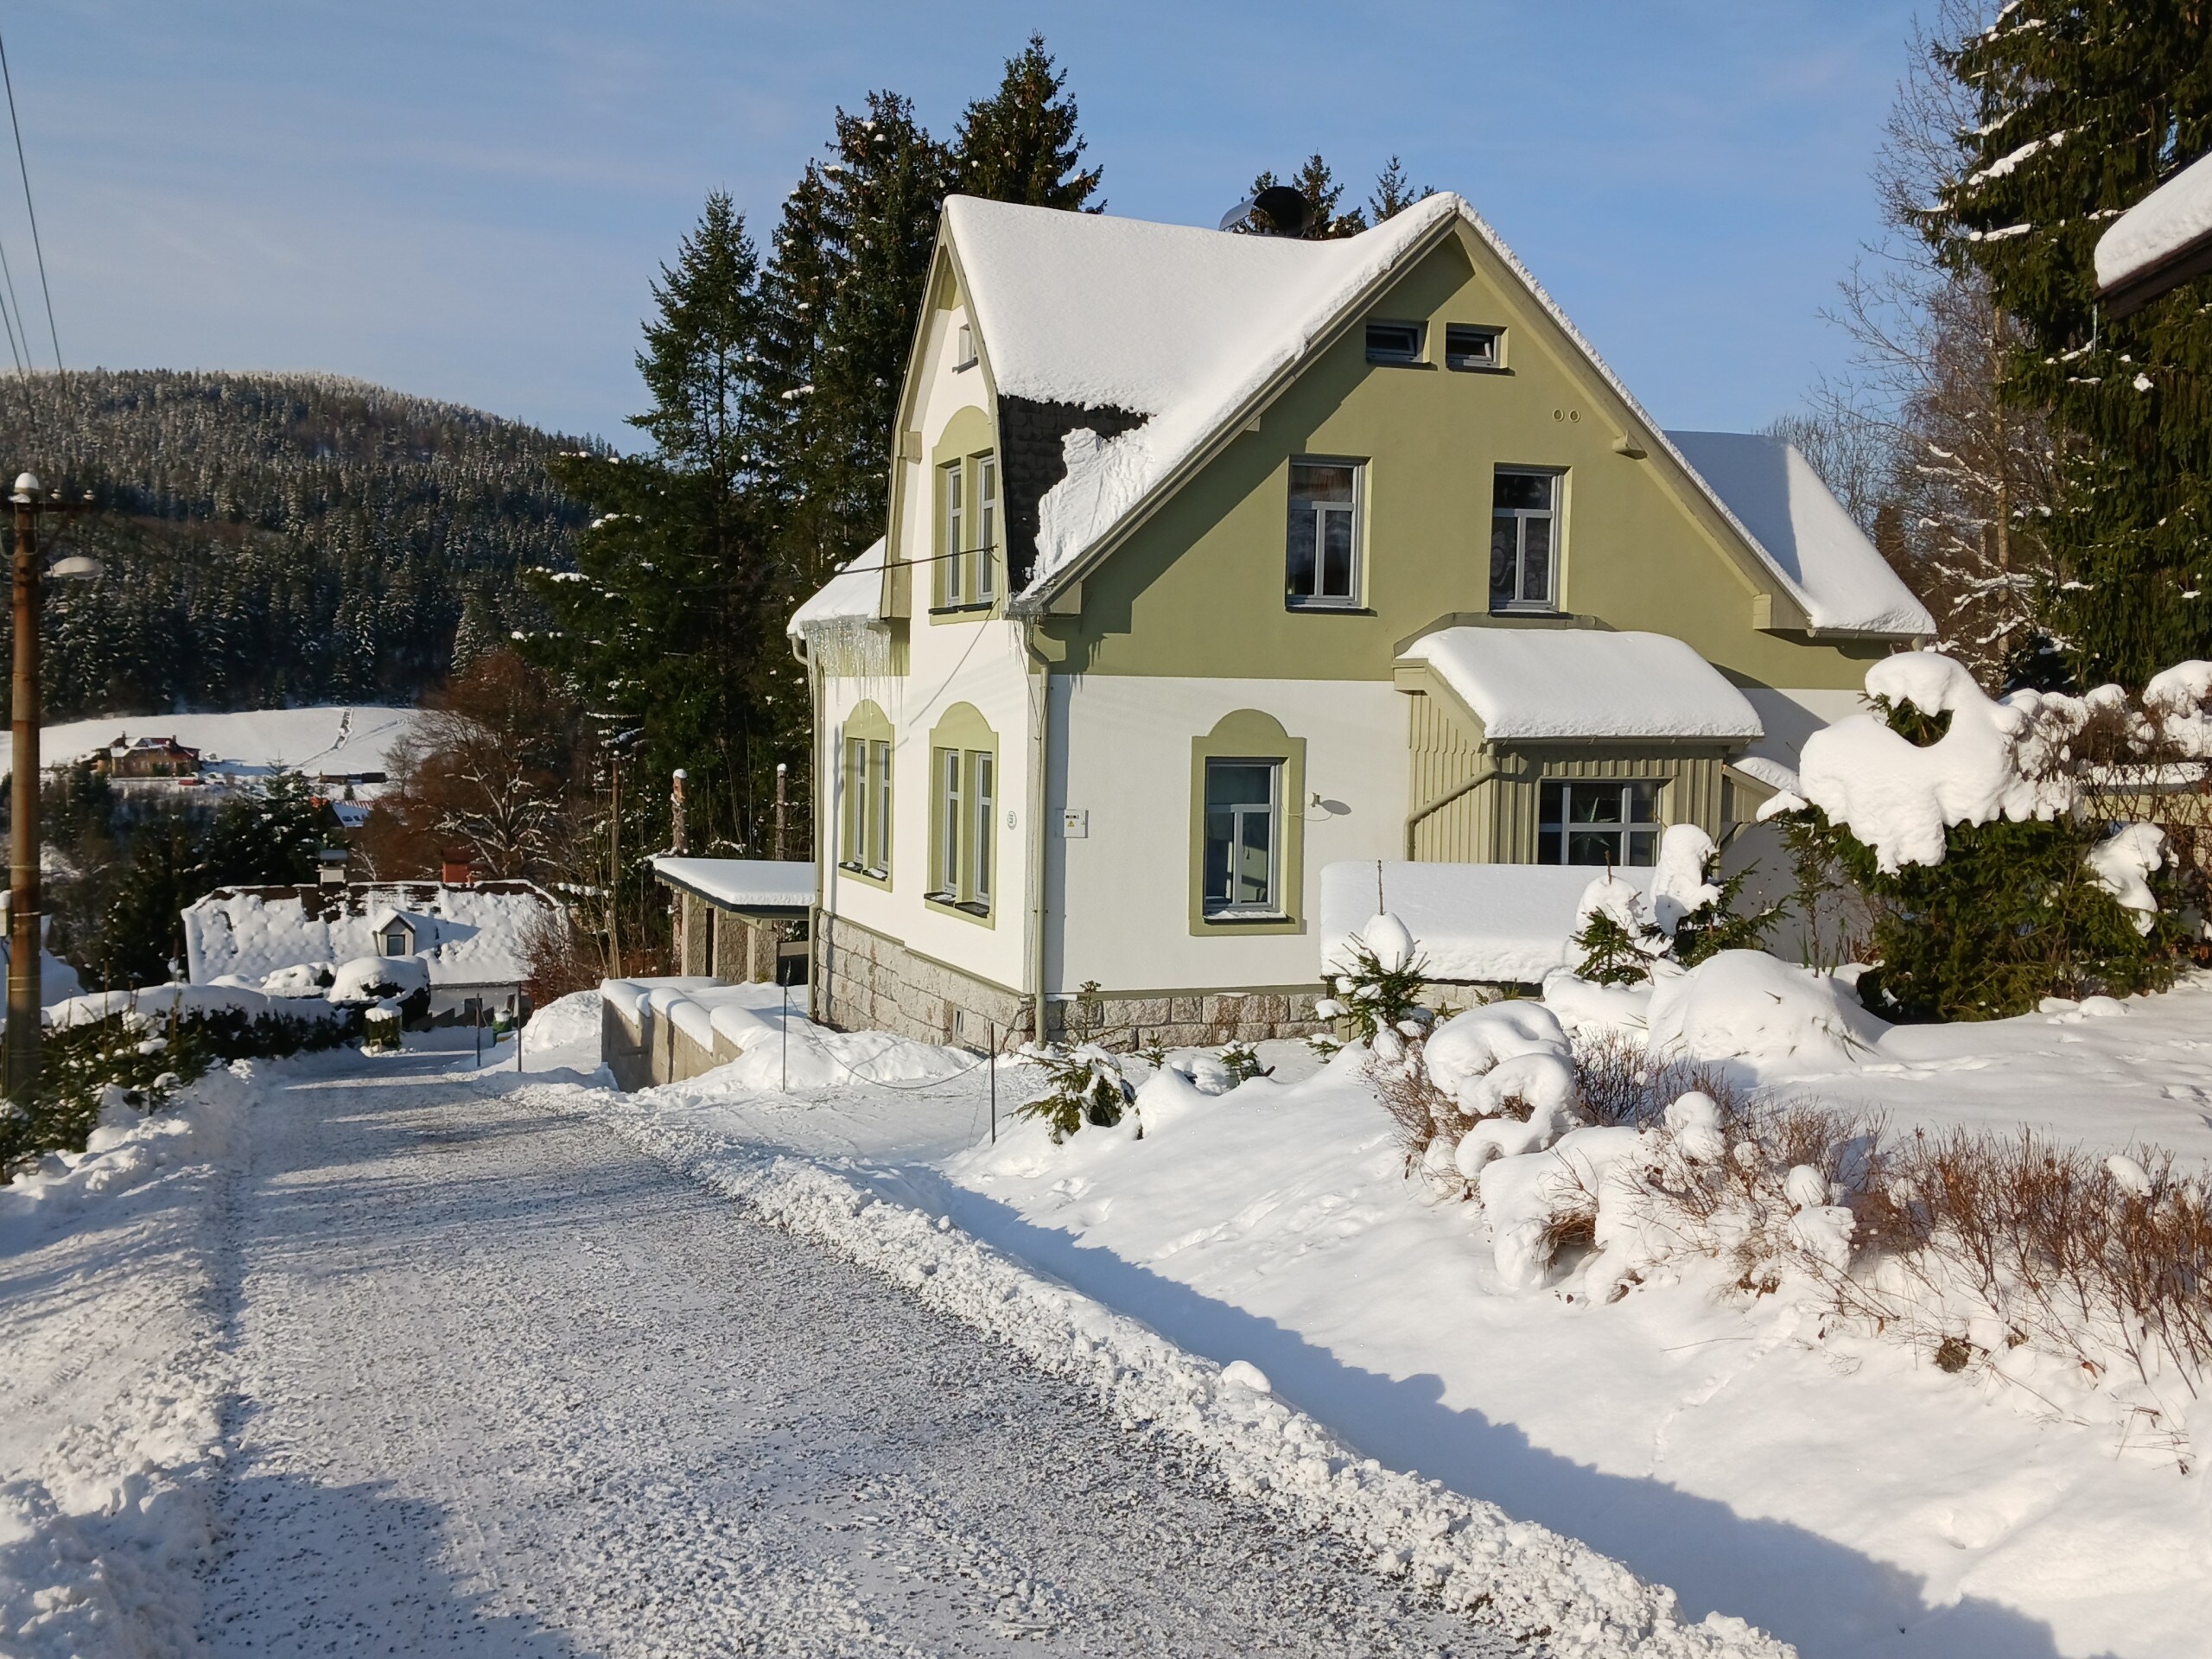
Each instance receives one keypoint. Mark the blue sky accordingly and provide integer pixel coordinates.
(468, 199)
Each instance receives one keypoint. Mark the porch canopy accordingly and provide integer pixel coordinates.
(758, 889)
(1552, 684)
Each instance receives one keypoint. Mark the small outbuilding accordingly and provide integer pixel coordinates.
(741, 918)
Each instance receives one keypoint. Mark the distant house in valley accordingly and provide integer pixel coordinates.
(473, 941)
(147, 757)
(1214, 560)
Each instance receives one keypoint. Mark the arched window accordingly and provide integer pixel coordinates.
(1248, 842)
(963, 813)
(864, 836)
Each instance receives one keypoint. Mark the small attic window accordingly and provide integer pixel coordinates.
(393, 939)
(1393, 342)
(1467, 345)
(963, 348)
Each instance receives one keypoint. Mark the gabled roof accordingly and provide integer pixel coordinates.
(1837, 577)
(1194, 330)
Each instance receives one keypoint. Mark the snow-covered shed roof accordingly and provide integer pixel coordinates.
(853, 594)
(1833, 570)
(466, 935)
(1530, 684)
(2147, 248)
(1185, 332)
(745, 884)
(1493, 924)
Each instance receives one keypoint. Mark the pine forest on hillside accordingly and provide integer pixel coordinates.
(274, 539)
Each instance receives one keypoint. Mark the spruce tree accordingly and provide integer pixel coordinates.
(2085, 105)
(1393, 194)
(1022, 144)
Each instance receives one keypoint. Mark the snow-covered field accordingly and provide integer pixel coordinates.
(1835, 1488)
(251, 744)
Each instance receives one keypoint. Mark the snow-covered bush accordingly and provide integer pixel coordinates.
(1377, 993)
(1493, 1081)
(1083, 1085)
(1965, 824)
(1689, 917)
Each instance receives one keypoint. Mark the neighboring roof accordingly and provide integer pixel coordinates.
(1496, 924)
(1188, 327)
(466, 935)
(2163, 240)
(746, 884)
(854, 593)
(1833, 570)
(1530, 684)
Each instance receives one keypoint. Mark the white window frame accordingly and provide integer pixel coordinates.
(1270, 907)
(982, 791)
(952, 485)
(876, 783)
(853, 851)
(1356, 509)
(964, 347)
(946, 764)
(1564, 824)
(987, 524)
(1554, 515)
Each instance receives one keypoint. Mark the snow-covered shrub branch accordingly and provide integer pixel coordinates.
(2006, 849)
(1083, 1085)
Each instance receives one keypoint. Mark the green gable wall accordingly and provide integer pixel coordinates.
(1197, 589)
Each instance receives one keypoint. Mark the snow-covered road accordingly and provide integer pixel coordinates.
(505, 1386)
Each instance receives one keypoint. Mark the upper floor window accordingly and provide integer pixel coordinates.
(968, 493)
(1394, 342)
(1597, 821)
(1467, 345)
(963, 350)
(1322, 562)
(1524, 541)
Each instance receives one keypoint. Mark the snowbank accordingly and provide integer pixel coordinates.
(1576, 682)
(1748, 1007)
(1483, 923)
(567, 1026)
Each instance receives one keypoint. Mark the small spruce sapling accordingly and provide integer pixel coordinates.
(1372, 996)
(1612, 954)
(1083, 1085)
(1243, 1061)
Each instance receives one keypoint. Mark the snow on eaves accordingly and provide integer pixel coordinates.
(1186, 327)
(741, 883)
(1794, 519)
(2169, 219)
(853, 594)
(1539, 683)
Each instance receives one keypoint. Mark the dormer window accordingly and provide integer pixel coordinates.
(1393, 342)
(395, 941)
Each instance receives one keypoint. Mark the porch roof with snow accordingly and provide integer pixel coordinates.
(1572, 684)
(1177, 336)
(2162, 241)
(766, 888)
(853, 594)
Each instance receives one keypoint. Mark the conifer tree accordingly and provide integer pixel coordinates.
(1022, 144)
(1393, 194)
(2084, 106)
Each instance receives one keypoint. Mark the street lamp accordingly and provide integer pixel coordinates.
(19, 1054)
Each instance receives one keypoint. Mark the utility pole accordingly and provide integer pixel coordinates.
(19, 1058)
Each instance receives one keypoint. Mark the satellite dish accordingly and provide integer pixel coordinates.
(1287, 212)
(1276, 211)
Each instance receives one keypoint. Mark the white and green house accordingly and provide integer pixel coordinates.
(1214, 561)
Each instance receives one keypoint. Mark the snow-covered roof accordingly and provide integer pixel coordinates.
(854, 593)
(1528, 684)
(2165, 224)
(741, 883)
(1832, 569)
(1497, 923)
(248, 744)
(466, 935)
(1186, 328)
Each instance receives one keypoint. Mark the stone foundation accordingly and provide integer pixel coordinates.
(867, 982)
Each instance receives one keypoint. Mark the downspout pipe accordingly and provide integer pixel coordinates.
(1040, 725)
(1413, 819)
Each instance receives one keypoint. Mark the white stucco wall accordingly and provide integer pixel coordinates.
(1122, 754)
(1792, 715)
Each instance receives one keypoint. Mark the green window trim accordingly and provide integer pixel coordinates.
(967, 513)
(965, 799)
(1248, 734)
(866, 748)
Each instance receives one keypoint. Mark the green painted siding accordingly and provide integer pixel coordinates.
(1198, 589)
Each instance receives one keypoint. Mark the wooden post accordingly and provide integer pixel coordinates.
(20, 1067)
(614, 859)
(782, 770)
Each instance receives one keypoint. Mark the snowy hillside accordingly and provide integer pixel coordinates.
(349, 739)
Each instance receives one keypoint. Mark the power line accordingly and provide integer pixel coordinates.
(23, 167)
